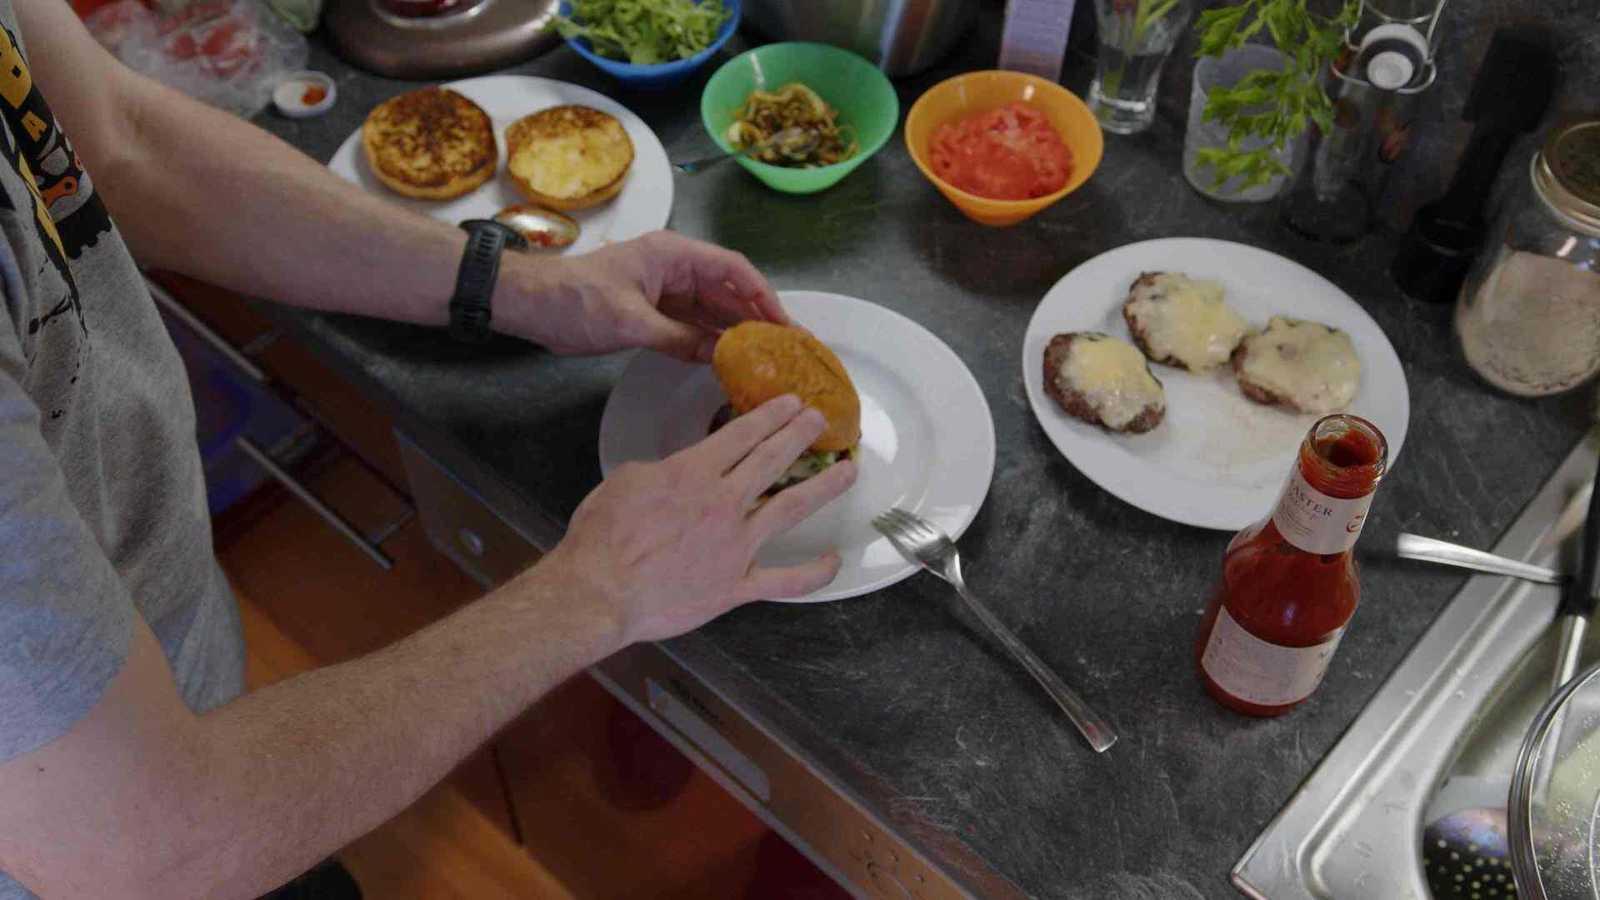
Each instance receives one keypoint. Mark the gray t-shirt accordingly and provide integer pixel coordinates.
(102, 501)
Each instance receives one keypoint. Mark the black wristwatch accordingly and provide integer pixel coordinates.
(480, 266)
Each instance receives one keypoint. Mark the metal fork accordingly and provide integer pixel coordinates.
(923, 543)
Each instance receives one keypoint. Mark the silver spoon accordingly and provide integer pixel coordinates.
(795, 143)
(1444, 553)
(544, 229)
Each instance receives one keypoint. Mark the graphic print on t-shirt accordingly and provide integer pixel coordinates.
(63, 186)
(66, 215)
(66, 211)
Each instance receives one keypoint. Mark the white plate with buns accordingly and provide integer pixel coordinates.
(1217, 458)
(643, 204)
(927, 436)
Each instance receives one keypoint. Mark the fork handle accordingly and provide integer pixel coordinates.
(696, 166)
(1096, 730)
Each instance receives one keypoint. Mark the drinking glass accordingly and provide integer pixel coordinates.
(1135, 37)
(1226, 71)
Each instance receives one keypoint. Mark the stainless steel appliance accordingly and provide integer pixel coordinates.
(902, 36)
(436, 39)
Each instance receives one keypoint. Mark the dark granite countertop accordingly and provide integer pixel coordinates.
(894, 693)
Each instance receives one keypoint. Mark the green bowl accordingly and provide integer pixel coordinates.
(862, 95)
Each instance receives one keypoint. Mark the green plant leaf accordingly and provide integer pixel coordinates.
(1272, 105)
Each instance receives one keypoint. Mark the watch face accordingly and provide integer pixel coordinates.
(513, 237)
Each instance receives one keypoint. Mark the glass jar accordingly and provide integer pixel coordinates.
(1528, 317)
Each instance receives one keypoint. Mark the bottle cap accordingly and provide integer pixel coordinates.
(1390, 70)
(1391, 55)
(1566, 174)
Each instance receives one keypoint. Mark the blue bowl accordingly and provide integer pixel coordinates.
(661, 75)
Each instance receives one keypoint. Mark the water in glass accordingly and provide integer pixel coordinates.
(1135, 39)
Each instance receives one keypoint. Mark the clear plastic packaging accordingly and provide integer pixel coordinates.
(228, 53)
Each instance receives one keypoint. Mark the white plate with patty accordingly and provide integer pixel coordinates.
(927, 437)
(644, 204)
(1218, 459)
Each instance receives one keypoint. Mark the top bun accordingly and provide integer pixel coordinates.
(757, 361)
(568, 157)
(431, 144)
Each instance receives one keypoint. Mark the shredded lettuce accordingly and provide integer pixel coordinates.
(645, 32)
(812, 463)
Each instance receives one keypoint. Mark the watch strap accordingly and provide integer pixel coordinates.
(470, 311)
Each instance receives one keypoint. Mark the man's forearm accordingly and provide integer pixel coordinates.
(198, 191)
(239, 800)
(307, 765)
(248, 212)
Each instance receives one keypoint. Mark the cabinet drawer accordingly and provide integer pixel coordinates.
(460, 524)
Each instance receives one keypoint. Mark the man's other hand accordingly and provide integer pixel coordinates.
(662, 290)
(671, 544)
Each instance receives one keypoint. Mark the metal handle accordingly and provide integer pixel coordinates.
(696, 166)
(216, 341)
(1578, 600)
(1426, 549)
(1096, 730)
(1569, 648)
(328, 513)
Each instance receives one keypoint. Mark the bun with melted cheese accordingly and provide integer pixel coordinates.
(1301, 366)
(430, 144)
(1103, 381)
(758, 361)
(568, 157)
(1180, 321)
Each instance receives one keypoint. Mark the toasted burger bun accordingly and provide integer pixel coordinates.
(757, 361)
(431, 144)
(568, 157)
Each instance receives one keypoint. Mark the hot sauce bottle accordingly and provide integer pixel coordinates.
(1289, 583)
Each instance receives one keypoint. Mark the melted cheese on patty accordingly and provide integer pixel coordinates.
(1309, 364)
(1113, 377)
(1185, 320)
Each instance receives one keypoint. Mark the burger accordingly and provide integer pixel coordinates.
(757, 361)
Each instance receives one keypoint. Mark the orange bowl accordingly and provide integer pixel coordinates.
(978, 92)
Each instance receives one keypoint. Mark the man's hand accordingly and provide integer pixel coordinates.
(663, 291)
(671, 544)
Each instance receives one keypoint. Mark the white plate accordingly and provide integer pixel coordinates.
(644, 204)
(1219, 459)
(927, 437)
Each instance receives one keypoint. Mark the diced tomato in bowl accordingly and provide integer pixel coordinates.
(1010, 153)
(1001, 145)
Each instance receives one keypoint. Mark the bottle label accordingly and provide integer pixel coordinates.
(1316, 522)
(1262, 672)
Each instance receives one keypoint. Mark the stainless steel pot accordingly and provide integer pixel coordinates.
(902, 36)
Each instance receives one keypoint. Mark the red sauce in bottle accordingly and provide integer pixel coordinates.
(1290, 584)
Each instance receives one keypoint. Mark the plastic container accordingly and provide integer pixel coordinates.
(662, 75)
(856, 88)
(289, 97)
(1554, 808)
(228, 405)
(978, 92)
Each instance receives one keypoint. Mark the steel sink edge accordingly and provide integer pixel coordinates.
(1352, 829)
